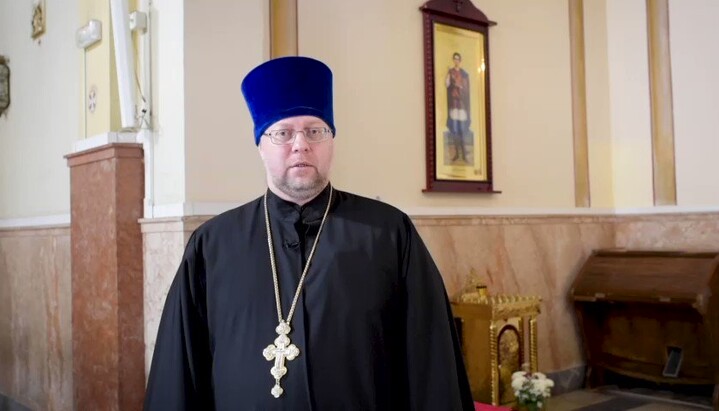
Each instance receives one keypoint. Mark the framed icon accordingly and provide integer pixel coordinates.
(457, 109)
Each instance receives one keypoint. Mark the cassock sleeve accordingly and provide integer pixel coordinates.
(181, 371)
(437, 379)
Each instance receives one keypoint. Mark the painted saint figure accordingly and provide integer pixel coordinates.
(457, 83)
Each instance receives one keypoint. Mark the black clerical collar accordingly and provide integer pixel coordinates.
(287, 210)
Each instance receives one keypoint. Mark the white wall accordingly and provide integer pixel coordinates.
(629, 103)
(222, 162)
(205, 149)
(376, 53)
(379, 101)
(601, 178)
(42, 121)
(168, 93)
(203, 133)
(45, 116)
(695, 66)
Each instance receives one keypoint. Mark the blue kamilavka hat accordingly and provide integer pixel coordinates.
(288, 87)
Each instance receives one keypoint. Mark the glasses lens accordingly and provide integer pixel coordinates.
(316, 134)
(281, 136)
(312, 135)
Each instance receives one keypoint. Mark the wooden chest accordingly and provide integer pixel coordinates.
(652, 315)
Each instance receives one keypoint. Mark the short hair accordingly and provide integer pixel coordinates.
(456, 56)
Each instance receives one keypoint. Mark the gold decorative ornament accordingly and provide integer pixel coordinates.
(38, 18)
(493, 331)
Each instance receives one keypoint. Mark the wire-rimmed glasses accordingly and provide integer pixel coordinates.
(287, 136)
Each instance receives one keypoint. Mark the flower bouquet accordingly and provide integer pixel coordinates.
(531, 389)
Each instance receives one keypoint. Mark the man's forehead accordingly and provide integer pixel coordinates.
(304, 120)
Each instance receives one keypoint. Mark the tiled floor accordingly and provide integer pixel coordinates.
(612, 400)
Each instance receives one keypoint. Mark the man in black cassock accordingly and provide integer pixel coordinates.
(307, 298)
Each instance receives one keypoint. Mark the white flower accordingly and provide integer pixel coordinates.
(531, 388)
(518, 374)
(517, 385)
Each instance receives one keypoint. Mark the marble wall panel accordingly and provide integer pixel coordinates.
(699, 231)
(107, 277)
(35, 317)
(164, 243)
(529, 256)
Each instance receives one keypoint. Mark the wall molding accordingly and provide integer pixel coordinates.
(46, 221)
(104, 139)
(190, 209)
(179, 211)
(661, 103)
(582, 196)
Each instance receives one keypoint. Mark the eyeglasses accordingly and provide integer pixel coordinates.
(287, 136)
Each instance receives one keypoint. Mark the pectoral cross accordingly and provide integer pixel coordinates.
(279, 351)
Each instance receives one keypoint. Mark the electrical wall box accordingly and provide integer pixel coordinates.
(89, 34)
(138, 21)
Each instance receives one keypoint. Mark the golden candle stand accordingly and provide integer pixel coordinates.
(498, 333)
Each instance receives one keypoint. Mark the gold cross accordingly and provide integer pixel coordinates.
(279, 351)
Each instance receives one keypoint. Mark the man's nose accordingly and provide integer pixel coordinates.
(300, 143)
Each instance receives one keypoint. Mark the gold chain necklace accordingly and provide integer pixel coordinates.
(283, 349)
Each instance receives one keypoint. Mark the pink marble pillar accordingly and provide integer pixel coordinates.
(107, 186)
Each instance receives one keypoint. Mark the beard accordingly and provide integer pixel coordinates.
(301, 189)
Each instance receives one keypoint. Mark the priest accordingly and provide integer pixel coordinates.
(309, 297)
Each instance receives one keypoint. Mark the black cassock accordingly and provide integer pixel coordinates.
(373, 323)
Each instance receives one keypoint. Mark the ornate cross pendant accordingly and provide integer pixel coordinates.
(279, 351)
